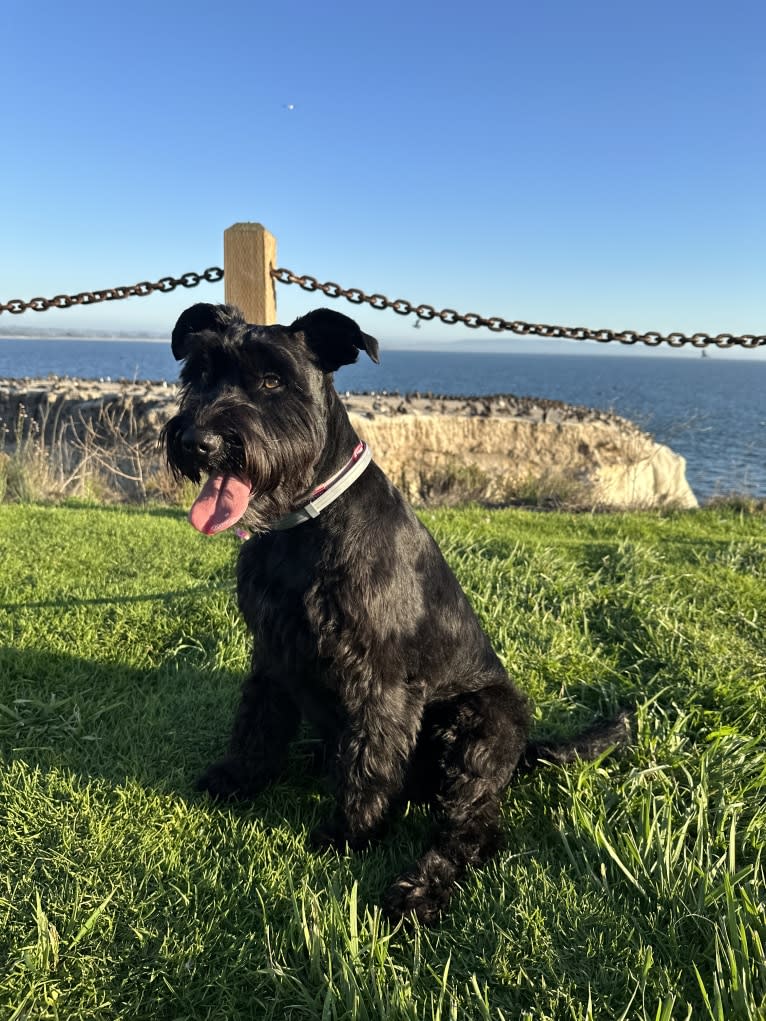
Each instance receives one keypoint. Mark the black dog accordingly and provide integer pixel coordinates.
(359, 625)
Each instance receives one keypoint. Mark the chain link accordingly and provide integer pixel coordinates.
(497, 324)
(141, 290)
(16, 306)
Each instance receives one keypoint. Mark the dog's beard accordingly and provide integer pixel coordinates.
(248, 480)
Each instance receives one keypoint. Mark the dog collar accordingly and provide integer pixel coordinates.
(330, 490)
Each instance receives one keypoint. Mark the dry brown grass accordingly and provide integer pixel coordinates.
(48, 459)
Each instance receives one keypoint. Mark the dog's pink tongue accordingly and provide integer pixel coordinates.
(221, 503)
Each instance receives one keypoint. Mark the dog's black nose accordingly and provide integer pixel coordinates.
(200, 442)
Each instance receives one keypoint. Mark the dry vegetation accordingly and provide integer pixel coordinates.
(112, 458)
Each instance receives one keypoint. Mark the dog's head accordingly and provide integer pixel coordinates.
(254, 406)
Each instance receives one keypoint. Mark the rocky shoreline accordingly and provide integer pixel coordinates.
(85, 395)
(532, 409)
(437, 448)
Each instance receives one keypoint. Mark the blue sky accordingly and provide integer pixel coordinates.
(597, 164)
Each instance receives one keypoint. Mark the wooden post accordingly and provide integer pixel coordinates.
(249, 255)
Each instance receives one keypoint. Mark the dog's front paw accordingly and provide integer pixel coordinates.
(332, 834)
(326, 835)
(415, 896)
(228, 780)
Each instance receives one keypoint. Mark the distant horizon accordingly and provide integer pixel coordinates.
(506, 344)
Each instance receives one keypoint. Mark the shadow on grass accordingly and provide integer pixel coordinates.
(159, 728)
(109, 726)
(155, 510)
(144, 597)
(95, 718)
(615, 619)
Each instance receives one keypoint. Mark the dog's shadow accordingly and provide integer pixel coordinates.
(156, 727)
(159, 728)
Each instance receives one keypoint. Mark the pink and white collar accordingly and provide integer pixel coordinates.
(328, 491)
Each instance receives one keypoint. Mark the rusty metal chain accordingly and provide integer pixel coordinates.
(497, 324)
(399, 305)
(141, 290)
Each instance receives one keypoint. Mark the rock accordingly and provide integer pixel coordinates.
(584, 464)
(499, 449)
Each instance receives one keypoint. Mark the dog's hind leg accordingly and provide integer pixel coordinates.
(266, 721)
(478, 739)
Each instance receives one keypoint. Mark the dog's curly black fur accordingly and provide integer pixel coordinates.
(359, 625)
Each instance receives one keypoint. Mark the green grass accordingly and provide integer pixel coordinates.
(630, 888)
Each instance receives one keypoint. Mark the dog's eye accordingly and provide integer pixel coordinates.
(271, 381)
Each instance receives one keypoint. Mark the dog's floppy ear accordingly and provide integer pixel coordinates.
(334, 338)
(198, 318)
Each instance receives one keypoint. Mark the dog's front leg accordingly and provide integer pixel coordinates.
(266, 721)
(374, 751)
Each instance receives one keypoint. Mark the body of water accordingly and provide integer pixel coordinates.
(710, 410)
